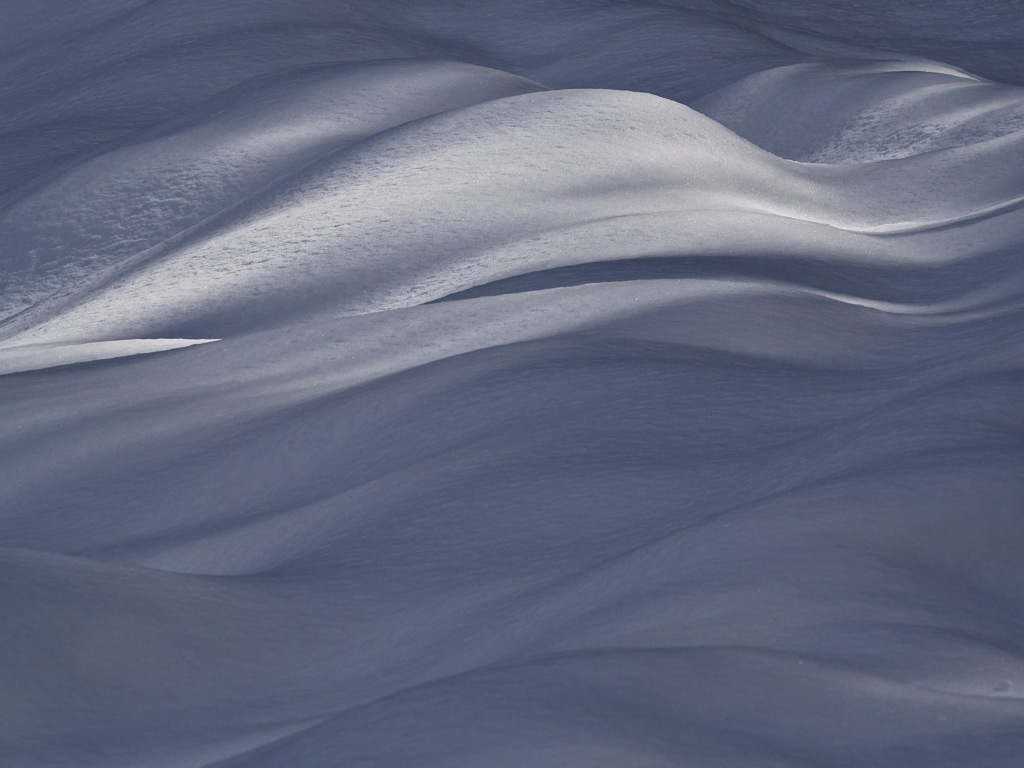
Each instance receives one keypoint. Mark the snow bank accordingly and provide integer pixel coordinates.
(551, 421)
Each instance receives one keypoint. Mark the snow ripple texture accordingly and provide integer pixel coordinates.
(511, 383)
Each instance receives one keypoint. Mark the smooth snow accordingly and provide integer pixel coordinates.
(33, 357)
(595, 384)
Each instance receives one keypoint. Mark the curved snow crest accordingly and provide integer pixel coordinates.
(605, 383)
(857, 113)
(130, 204)
(367, 224)
(34, 357)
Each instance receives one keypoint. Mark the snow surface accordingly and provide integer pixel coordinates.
(511, 383)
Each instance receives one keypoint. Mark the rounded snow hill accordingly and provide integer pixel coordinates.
(77, 77)
(154, 193)
(865, 112)
(441, 204)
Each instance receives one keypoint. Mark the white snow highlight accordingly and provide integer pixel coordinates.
(33, 357)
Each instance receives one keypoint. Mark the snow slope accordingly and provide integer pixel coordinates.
(482, 384)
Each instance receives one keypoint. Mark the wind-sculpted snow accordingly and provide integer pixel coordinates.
(595, 383)
(118, 209)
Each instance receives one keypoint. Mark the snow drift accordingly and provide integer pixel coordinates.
(615, 383)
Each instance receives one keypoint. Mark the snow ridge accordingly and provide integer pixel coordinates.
(615, 383)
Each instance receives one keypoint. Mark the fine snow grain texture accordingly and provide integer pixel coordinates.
(511, 384)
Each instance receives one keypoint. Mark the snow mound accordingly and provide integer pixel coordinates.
(867, 112)
(532, 179)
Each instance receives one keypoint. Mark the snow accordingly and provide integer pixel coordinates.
(471, 384)
(34, 357)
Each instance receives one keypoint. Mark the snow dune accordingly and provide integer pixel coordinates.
(616, 383)
(409, 215)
